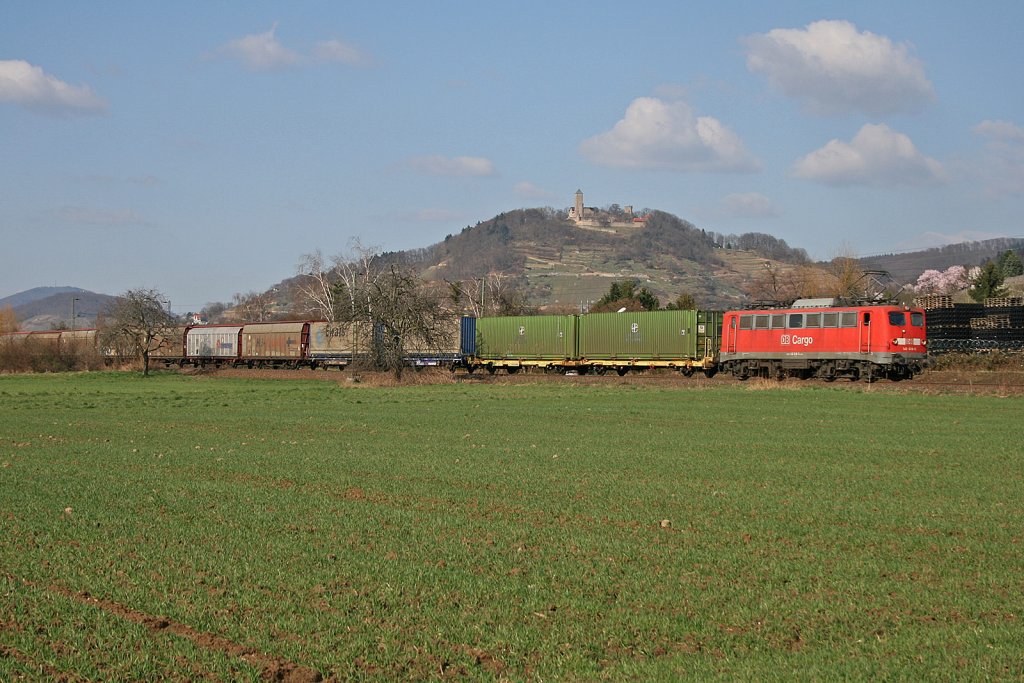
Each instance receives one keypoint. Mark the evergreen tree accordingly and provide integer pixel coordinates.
(989, 283)
(626, 295)
(1010, 264)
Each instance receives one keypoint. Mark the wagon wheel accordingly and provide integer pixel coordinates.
(491, 369)
(622, 371)
(686, 371)
(512, 370)
(600, 370)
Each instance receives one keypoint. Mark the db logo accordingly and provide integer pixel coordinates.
(791, 340)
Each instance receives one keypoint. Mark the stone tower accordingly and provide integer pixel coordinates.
(579, 205)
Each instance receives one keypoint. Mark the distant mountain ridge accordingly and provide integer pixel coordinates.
(34, 294)
(45, 308)
(907, 267)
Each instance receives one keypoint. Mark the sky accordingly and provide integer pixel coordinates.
(202, 148)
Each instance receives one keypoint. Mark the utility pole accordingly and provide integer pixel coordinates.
(73, 314)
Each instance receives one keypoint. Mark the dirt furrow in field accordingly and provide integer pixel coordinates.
(273, 668)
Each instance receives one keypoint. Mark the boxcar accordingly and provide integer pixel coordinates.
(213, 344)
(856, 342)
(336, 344)
(170, 348)
(274, 344)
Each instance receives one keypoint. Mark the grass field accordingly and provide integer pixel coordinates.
(188, 527)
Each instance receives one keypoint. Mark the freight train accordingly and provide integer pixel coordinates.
(814, 338)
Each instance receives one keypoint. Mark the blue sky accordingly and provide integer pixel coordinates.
(203, 148)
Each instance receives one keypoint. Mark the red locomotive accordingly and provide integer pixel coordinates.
(817, 338)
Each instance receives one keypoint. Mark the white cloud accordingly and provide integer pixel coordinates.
(660, 135)
(528, 190)
(835, 70)
(34, 89)
(749, 205)
(264, 52)
(458, 166)
(84, 215)
(341, 52)
(877, 155)
(1001, 168)
(261, 51)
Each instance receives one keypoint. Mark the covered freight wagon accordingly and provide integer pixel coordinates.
(272, 344)
(442, 350)
(170, 347)
(213, 344)
(336, 344)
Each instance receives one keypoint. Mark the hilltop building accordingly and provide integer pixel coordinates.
(596, 219)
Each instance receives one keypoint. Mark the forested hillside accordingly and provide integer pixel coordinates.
(560, 264)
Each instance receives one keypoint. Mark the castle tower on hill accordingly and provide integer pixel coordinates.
(591, 217)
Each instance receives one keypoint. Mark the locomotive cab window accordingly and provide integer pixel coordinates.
(867, 318)
(917, 318)
(897, 318)
(796, 320)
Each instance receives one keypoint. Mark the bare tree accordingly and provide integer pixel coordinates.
(136, 324)
(316, 284)
(253, 306)
(403, 311)
(355, 272)
(495, 294)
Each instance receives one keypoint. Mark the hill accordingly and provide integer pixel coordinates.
(908, 266)
(35, 294)
(54, 309)
(564, 265)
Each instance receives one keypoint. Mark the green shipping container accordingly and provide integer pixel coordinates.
(526, 337)
(640, 335)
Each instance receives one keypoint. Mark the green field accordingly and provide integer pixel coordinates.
(188, 527)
